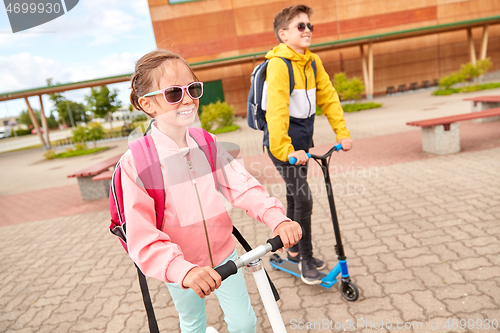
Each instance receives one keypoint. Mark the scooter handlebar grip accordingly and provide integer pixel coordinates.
(293, 160)
(338, 147)
(226, 270)
(276, 243)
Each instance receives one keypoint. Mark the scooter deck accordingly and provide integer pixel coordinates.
(290, 267)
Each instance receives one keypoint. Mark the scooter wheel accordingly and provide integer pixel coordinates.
(276, 258)
(350, 292)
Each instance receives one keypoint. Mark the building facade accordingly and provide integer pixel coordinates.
(205, 30)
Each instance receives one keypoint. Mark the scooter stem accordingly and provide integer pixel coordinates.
(266, 294)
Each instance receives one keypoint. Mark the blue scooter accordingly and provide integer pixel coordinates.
(347, 288)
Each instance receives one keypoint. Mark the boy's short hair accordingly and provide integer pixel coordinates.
(283, 18)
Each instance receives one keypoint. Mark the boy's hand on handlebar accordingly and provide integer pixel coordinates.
(300, 155)
(346, 144)
(290, 233)
(203, 280)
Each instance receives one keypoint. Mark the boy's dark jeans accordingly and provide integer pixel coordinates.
(299, 201)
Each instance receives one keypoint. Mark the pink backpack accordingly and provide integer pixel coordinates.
(148, 167)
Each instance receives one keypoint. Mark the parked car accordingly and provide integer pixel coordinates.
(5, 132)
(33, 131)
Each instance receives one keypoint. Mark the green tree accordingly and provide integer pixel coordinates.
(95, 132)
(24, 118)
(78, 112)
(63, 107)
(102, 102)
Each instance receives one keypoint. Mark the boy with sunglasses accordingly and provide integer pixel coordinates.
(290, 121)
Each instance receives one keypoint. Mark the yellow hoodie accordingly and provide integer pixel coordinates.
(290, 118)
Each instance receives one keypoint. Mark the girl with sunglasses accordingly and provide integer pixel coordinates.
(196, 233)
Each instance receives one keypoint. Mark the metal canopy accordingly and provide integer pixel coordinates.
(252, 57)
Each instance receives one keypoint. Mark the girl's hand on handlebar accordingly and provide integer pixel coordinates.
(290, 233)
(346, 144)
(301, 157)
(203, 280)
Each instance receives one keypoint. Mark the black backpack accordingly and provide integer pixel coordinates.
(256, 116)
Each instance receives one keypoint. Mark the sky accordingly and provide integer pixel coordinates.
(95, 39)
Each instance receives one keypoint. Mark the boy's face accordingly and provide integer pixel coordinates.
(298, 41)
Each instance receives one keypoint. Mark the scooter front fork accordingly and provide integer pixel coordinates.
(331, 278)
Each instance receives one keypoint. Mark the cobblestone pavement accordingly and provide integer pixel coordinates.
(422, 237)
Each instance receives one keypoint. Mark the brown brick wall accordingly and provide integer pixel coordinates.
(211, 29)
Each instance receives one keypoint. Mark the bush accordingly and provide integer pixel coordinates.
(83, 134)
(141, 118)
(348, 89)
(80, 134)
(448, 81)
(468, 72)
(50, 154)
(78, 147)
(95, 132)
(216, 116)
(22, 132)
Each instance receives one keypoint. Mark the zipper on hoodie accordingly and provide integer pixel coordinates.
(307, 95)
(193, 179)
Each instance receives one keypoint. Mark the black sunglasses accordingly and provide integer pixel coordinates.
(302, 27)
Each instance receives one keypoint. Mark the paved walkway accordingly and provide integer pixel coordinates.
(420, 231)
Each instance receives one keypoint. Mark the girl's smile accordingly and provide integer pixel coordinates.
(186, 111)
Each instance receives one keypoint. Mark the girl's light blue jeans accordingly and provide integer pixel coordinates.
(233, 299)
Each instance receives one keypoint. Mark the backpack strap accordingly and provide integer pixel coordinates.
(288, 63)
(207, 145)
(146, 298)
(149, 170)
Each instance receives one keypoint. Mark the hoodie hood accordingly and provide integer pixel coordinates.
(285, 51)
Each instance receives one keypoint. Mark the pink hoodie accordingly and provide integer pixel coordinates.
(196, 229)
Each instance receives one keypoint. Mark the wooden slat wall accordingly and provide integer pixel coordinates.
(210, 29)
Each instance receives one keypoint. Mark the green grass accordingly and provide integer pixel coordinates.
(477, 87)
(445, 92)
(24, 148)
(353, 107)
(73, 153)
(360, 106)
(230, 128)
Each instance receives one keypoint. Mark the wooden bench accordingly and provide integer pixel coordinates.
(94, 181)
(441, 135)
(484, 103)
